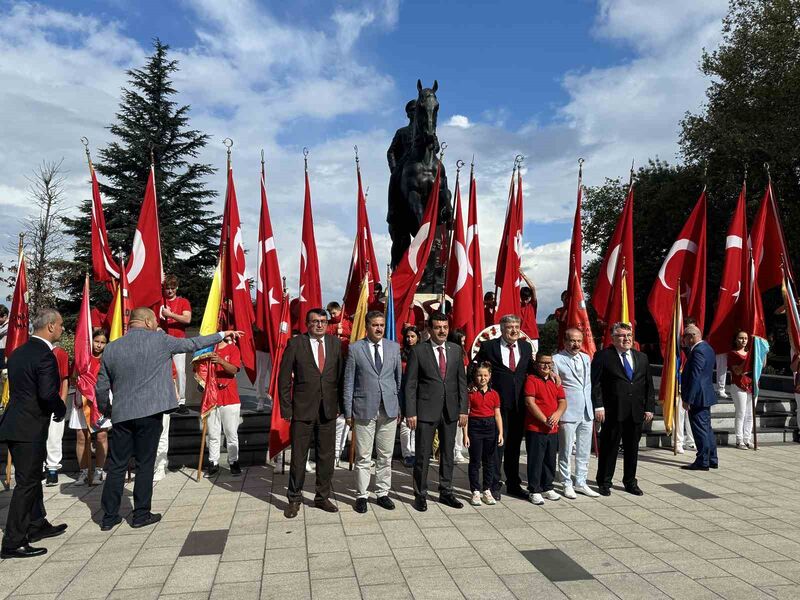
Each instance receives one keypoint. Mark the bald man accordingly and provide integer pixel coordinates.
(697, 391)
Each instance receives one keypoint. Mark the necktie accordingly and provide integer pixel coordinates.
(378, 361)
(321, 355)
(442, 363)
(627, 365)
(512, 361)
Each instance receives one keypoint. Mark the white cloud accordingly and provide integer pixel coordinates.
(459, 121)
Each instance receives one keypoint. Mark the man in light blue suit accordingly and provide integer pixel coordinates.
(574, 368)
(371, 387)
(697, 392)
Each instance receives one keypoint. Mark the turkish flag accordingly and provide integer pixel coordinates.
(85, 376)
(752, 315)
(684, 266)
(509, 303)
(363, 258)
(310, 289)
(459, 279)
(728, 315)
(269, 284)
(19, 314)
(235, 288)
(279, 430)
(511, 209)
(104, 268)
(474, 260)
(145, 271)
(607, 296)
(407, 275)
(769, 243)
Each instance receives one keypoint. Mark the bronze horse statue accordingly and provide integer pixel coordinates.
(410, 185)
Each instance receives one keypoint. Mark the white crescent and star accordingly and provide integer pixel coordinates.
(611, 267)
(472, 235)
(416, 243)
(681, 245)
(139, 257)
(463, 266)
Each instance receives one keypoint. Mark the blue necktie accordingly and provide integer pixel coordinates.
(378, 361)
(627, 365)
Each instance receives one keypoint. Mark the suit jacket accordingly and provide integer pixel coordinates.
(137, 368)
(34, 385)
(429, 397)
(509, 384)
(612, 390)
(697, 379)
(304, 392)
(577, 386)
(364, 388)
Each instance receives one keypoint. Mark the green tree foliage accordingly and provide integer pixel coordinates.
(149, 119)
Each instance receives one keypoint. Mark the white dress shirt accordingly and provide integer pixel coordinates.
(505, 352)
(372, 345)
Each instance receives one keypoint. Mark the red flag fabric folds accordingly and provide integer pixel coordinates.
(310, 289)
(769, 243)
(85, 376)
(279, 430)
(363, 258)
(509, 302)
(474, 262)
(104, 268)
(269, 285)
(19, 314)
(459, 278)
(145, 270)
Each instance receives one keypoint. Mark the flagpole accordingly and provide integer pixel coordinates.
(508, 207)
(678, 400)
(459, 163)
(20, 248)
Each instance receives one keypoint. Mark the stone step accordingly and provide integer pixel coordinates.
(726, 420)
(724, 436)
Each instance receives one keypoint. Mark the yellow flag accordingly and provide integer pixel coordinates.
(625, 316)
(669, 390)
(116, 319)
(359, 329)
(211, 315)
(6, 392)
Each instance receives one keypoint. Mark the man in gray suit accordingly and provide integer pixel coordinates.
(137, 369)
(577, 422)
(372, 377)
(436, 400)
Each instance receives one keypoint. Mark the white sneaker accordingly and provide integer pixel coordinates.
(476, 498)
(99, 475)
(158, 475)
(586, 491)
(680, 450)
(723, 394)
(82, 477)
(309, 467)
(260, 406)
(569, 492)
(460, 459)
(488, 498)
(691, 446)
(536, 499)
(750, 445)
(551, 495)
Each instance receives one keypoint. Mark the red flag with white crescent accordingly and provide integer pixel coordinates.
(104, 268)
(145, 271)
(769, 243)
(511, 210)
(684, 266)
(310, 288)
(459, 278)
(19, 314)
(85, 376)
(279, 430)
(363, 257)
(509, 301)
(474, 261)
(269, 285)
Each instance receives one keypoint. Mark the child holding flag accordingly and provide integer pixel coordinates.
(227, 361)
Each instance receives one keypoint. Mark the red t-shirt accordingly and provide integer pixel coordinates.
(482, 405)
(743, 382)
(546, 393)
(528, 324)
(62, 358)
(226, 383)
(178, 305)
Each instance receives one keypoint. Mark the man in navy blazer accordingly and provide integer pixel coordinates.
(697, 391)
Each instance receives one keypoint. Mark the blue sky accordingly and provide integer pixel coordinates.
(606, 80)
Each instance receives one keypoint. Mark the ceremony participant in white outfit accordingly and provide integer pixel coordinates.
(683, 432)
(263, 373)
(227, 360)
(55, 432)
(577, 422)
(742, 391)
(176, 314)
(722, 375)
(371, 389)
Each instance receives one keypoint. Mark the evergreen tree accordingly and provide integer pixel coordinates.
(150, 120)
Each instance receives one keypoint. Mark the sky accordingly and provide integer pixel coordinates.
(604, 80)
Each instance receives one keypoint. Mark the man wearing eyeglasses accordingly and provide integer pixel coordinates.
(308, 387)
(624, 400)
(697, 390)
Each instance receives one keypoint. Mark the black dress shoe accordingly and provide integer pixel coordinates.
(497, 495)
(109, 525)
(517, 492)
(213, 469)
(694, 467)
(714, 466)
(148, 519)
(235, 468)
(385, 502)
(450, 500)
(421, 503)
(327, 505)
(604, 490)
(24, 551)
(361, 505)
(46, 531)
(51, 479)
(290, 512)
(634, 489)
(182, 409)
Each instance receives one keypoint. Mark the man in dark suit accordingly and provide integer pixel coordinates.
(510, 358)
(624, 399)
(309, 392)
(436, 400)
(34, 385)
(697, 391)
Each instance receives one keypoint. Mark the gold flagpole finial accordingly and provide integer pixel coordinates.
(228, 143)
(459, 163)
(85, 142)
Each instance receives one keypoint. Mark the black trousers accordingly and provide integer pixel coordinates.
(508, 453)
(542, 449)
(137, 438)
(26, 511)
(423, 449)
(610, 435)
(482, 433)
(323, 433)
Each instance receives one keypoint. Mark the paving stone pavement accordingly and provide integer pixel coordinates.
(744, 543)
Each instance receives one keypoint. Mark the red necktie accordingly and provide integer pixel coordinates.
(442, 363)
(512, 361)
(320, 355)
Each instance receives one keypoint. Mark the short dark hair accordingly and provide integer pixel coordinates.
(98, 331)
(316, 311)
(541, 354)
(3, 310)
(373, 314)
(436, 316)
(488, 296)
(525, 292)
(333, 306)
(170, 281)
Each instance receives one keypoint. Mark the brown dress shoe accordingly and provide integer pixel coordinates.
(326, 505)
(291, 511)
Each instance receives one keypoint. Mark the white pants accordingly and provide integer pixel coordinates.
(535, 344)
(55, 433)
(578, 433)
(342, 430)
(458, 447)
(722, 373)
(162, 458)
(684, 429)
(180, 367)
(743, 422)
(379, 432)
(263, 374)
(408, 439)
(223, 418)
